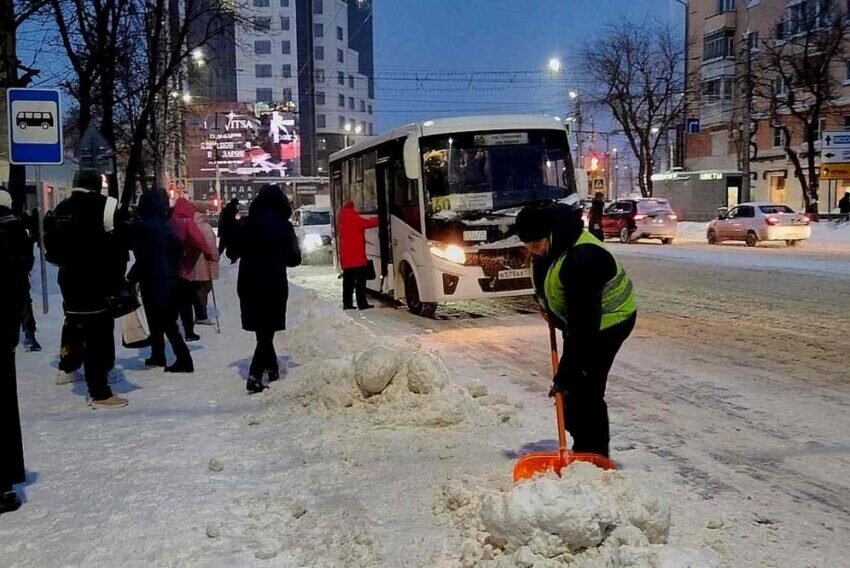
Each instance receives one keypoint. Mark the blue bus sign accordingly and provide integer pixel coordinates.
(35, 126)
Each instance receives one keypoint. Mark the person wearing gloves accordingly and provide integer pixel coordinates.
(585, 292)
(352, 256)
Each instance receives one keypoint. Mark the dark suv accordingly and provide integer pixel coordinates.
(640, 218)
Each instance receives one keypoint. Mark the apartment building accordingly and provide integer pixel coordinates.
(722, 34)
(313, 57)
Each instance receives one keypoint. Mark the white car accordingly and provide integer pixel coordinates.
(313, 227)
(756, 222)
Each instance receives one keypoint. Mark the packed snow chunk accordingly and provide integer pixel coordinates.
(336, 396)
(375, 368)
(425, 373)
(553, 516)
(477, 390)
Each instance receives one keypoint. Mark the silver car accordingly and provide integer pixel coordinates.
(756, 222)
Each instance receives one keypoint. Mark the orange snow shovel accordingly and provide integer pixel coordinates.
(531, 464)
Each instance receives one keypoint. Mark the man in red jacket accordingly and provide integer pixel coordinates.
(352, 255)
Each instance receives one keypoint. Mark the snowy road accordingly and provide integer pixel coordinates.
(731, 399)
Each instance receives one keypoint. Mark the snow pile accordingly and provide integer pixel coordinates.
(589, 518)
(691, 231)
(408, 385)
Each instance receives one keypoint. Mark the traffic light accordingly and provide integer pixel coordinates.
(593, 164)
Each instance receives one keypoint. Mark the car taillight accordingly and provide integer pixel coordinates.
(772, 221)
(639, 217)
(806, 220)
(672, 216)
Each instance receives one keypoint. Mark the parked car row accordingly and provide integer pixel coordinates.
(633, 219)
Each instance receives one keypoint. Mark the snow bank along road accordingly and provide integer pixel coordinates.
(729, 402)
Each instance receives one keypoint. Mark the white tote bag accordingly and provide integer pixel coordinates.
(134, 329)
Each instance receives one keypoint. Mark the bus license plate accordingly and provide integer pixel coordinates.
(477, 236)
(513, 274)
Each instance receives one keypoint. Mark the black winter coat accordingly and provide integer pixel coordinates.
(16, 260)
(93, 277)
(266, 244)
(156, 249)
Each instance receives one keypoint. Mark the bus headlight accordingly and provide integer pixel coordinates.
(452, 253)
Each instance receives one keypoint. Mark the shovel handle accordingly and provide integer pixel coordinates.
(559, 396)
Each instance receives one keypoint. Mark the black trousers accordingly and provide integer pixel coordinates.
(162, 323)
(28, 323)
(94, 342)
(354, 282)
(199, 302)
(265, 357)
(185, 302)
(585, 408)
(11, 445)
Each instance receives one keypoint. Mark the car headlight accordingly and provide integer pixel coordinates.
(452, 253)
(312, 242)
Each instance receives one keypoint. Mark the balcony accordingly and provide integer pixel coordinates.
(721, 20)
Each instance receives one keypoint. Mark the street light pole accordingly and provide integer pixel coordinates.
(686, 4)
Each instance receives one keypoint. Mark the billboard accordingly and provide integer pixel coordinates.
(242, 140)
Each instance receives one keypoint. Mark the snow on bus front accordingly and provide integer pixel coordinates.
(475, 185)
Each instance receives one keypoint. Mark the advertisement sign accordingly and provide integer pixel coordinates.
(239, 140)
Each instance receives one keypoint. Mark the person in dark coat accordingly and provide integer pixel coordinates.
(15, 260)
(158, 255)
(227, 224)
(844, 206)
(594, 222)
(266, 244)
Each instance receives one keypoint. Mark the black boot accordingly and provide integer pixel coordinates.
(155, 361)
(9, 502)
(31, 343)
(274, 375)
(255, 385)
(192, 336)
(184, 366)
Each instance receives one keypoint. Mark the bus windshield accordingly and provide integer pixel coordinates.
(480, 171)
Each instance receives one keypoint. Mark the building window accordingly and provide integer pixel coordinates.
(718, 44)
(362, 106)
(284, 3)
(716, 90)
(342, 123)
(370, 109)
(261, 3)
(320, 75)
(340, 77)
(318, 8)
(340, 56)
(725, 6)
(263, 71)
(320, 98)
(371, 129)
(262, 47)
(319, 52)
(321, 121)
(778, 138)
(351, 81)
(780, 87)
(262, 24)
(285, 47)
(284, 23)
(286, 71)
(339, 33)
(351, 103)
(341, 101)
(264, 96)
(753, 41)
(318, 30)
(287, 94)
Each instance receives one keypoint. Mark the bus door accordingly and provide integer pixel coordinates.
(384, 262)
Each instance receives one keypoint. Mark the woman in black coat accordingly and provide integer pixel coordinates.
(15, 260)
(157, 252)
(266, 244)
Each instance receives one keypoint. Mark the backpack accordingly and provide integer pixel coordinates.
(69, 237)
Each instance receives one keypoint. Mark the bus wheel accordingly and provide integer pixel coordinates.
(411, 295)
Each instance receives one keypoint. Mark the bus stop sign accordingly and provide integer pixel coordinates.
(35, 126)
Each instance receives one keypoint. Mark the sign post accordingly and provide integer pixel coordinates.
(35, 139)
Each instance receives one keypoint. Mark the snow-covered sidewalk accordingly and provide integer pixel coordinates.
(314, 472)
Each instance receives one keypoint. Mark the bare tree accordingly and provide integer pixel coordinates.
(797, 80)
(638, 66)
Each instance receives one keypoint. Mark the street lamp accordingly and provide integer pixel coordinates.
(654, 130)
(573, 95)
(554, 65)
(187, 98)
(358, 129)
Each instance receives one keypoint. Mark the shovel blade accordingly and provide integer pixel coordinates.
(529, 465)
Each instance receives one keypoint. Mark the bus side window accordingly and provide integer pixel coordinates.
(370, 189)
(405, 197)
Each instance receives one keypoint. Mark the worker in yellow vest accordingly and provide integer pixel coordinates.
(584, 291)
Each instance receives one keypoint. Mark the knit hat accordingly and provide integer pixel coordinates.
(533, 224)
(5, 199)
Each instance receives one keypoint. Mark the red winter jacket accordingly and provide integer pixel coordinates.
(352, 236)
(191, 238)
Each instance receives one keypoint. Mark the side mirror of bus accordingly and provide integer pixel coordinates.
(411, 157)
